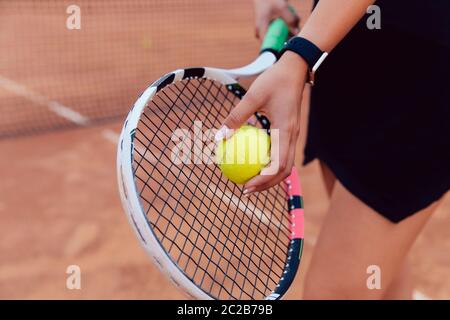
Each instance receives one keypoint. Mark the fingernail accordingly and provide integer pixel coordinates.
(267, 171)
(251, 121)
(223, 133)
(248, 191)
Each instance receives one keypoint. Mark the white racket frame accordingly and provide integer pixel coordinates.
(127, 187)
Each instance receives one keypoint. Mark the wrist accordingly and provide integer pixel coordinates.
(294, 62)
(312, 55)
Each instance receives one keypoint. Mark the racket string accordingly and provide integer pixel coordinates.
(230, 247)
(213, 221)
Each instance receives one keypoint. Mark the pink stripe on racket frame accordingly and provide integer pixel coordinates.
(297, 217)
(297, 220)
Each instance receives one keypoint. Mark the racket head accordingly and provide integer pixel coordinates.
(193, 222)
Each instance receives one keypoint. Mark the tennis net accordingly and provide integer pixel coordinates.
(52, 77)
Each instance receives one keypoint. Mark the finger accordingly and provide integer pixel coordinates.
(282, 175)
(262, 23)
(292, 19)
(242, 111)
(262, 20)
(279, 154)
(271, 183)
(252, 121)
(262, 30)
(237, 117)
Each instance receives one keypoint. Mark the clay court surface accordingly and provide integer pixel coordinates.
(59, 203)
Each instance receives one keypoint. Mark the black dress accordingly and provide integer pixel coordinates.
(380, 109)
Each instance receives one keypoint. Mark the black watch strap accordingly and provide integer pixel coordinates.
(304, 48)
(308, 51)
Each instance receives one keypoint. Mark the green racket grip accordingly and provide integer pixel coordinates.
(276, 36)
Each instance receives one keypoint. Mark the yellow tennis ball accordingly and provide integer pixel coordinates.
(242, 156)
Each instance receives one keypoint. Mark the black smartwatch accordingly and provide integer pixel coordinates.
(308, 51)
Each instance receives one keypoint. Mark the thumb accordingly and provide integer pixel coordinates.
(237, 117)
(291, 18)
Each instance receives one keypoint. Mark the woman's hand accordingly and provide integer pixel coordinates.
(276, 93)
(268, 10)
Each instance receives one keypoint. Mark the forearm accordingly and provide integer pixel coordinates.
(331, 20)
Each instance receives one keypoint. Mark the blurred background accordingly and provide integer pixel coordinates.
(63, 96)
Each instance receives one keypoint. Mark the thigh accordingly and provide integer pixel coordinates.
(402, 286)
(354, 237)
(328, 178)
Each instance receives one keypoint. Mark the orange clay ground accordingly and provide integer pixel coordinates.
(59, 206)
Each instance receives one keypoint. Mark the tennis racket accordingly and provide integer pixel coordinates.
(200, 231)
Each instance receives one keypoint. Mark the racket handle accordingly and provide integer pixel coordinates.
(276, 36)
